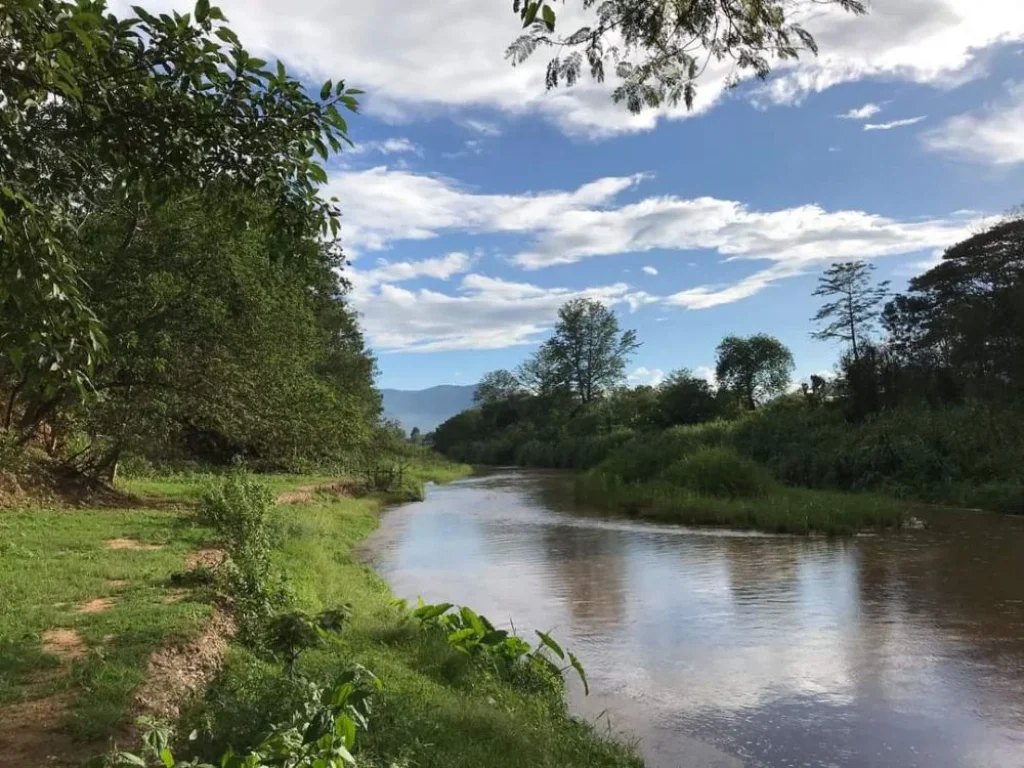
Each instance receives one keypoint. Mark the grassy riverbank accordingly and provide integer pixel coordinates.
(80, 620)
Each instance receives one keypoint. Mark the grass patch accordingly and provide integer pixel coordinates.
(52, 562)
(779, 509)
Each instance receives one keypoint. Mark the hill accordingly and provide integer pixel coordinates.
(426, 408)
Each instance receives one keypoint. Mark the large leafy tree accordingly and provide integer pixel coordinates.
(496, 386)
(686, 399)
(756, 368)
(659, 49)
(587, 354)
(225, 337)
(98, 111)
(852, 312)
(966, 314)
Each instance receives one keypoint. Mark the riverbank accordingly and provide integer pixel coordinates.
(88, 600)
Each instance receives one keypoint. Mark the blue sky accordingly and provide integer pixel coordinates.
(476, 203)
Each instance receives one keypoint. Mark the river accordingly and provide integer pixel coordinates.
(720, 648)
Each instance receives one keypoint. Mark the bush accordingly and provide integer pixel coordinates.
(240, 509)
(719, 472)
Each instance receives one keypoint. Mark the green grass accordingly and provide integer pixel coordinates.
(188, 487)
(437, 709)
(51, 561)
(780, 509)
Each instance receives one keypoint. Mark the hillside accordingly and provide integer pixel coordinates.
(426, 408)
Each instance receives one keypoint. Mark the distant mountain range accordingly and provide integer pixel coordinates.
(426, 408)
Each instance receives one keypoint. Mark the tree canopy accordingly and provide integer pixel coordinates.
(756, 368)
(853, 312)
(659, 50)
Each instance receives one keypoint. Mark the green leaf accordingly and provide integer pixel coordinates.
(581, 672)
(167, 758)
(202, 12)
(549, 18)
(127, 758)
(345, 728)
(530, 14)
(325, 91)
(550, 643)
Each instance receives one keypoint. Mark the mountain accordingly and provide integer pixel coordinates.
(426, 408)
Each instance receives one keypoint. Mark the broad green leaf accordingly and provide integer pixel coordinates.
(581, 672)
(202, 10)
(550, 643)
(167, 758)
(549, 18)
(325, 91)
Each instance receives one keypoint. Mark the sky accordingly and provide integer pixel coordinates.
(476, 202)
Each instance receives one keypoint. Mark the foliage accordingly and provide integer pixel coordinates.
(289, 634)
(321, 734)
(660, 50)
(686, 399)
(98, 112)
(239, 508)
(497, 385)
(852, 315)
(507, 654)
(587, 353)
(720, 471)
(757, 368)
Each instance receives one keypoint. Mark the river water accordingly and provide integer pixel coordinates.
(716, 648)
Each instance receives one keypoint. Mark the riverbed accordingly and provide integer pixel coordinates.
(723, 648)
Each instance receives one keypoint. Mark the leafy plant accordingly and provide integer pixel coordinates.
(289, 634)
(322, 733)
(472, 634)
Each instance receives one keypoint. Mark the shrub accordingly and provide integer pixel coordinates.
(719, 472)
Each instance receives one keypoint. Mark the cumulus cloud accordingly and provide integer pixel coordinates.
(994, 136)
(440, 268)
(649, 270)
(642, 375)
(485, 313)
(862, 113)
(894, 124)
(410, 64)
(482, 127)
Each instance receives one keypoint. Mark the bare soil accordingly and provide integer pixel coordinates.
(204, 558)
(31, 735)
(179, 672)
(98, 605)
(66, 644)
(305, 494)
(131, 544)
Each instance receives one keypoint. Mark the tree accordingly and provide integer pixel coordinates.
(852, 315)
(97, 111)
(415, 437)
(966, 314)
(686, 399)
(757, 368)
(587, 354)
(660, 49)
(496, 386)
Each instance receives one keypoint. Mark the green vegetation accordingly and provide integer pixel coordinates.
(441, 687)
(660, 50)
(929, 411)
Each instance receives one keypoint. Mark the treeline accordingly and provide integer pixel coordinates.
(925, 401)
(170, 275)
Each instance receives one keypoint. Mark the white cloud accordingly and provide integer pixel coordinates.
(385, 147)
(894, 124)
(485, 313)
(707, 373)
(650, 376)
(995, 136)
(862, 113)
(649, 270)
(482, 127)
(384, 206)
(395, 272)
(410, 64)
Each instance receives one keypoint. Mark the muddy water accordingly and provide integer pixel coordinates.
(726, 649)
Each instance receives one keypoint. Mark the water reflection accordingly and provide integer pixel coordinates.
(719, 649)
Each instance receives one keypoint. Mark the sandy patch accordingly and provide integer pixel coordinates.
(131, 544)
(174, 597)
(117, 583)
(180, 672)
(99, 605)
(307, 493)
(204, 558)
(66, 644)
(31, 735)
